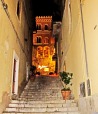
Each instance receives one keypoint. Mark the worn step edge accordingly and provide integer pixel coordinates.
(36, 109)
(52, 101)
(42, 105)
(44, 113)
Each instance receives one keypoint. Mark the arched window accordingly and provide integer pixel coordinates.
(39, 39)
(38, 27)
(46, 27)
(46, 51)
(39, 51)
(46, 40)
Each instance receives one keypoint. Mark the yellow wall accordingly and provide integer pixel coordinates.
(9, 43)
(91, 34)
(73, 44)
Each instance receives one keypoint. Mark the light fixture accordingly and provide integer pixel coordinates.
(40, 67)
(46, 69)
(5, 5)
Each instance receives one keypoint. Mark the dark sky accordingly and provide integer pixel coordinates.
(43, 7)
(47, 8)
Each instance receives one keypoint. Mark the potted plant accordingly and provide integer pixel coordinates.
(66, 78)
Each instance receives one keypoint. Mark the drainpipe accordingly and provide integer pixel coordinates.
(85, 51)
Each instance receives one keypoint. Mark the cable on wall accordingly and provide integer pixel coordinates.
(8, 15)
(86, 61)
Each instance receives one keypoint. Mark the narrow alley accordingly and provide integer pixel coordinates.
(42, 96)
(57, 38)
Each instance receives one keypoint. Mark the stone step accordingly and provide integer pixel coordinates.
(41, 94)
(75, 112)
(32, 96)
(38, 99)
(42, 91)
(38, 102)
(41, 105)
(52, 86)
(43, 87)
(45, 90)
(42, 109)
(42, 97)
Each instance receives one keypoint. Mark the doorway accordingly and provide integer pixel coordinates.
(15, 74)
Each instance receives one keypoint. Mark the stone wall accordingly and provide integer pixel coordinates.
(88, 105)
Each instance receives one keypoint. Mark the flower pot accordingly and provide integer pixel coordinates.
(66, 94)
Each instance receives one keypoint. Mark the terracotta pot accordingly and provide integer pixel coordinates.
(66, 94)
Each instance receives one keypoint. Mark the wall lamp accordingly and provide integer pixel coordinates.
(5, 6)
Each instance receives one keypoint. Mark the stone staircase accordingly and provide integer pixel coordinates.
(43, 96)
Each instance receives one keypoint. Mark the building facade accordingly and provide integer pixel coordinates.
(15, 49)
(43, 46)
(78, 51)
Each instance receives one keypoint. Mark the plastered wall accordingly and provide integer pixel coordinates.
(12, 34)
(80, 51)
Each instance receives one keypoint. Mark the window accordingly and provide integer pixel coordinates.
(38, 27)
(46, 27)
(46, 51)
(18, 9)
(46, 40)
(39, 39)
(69, 15)
(39, 52)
